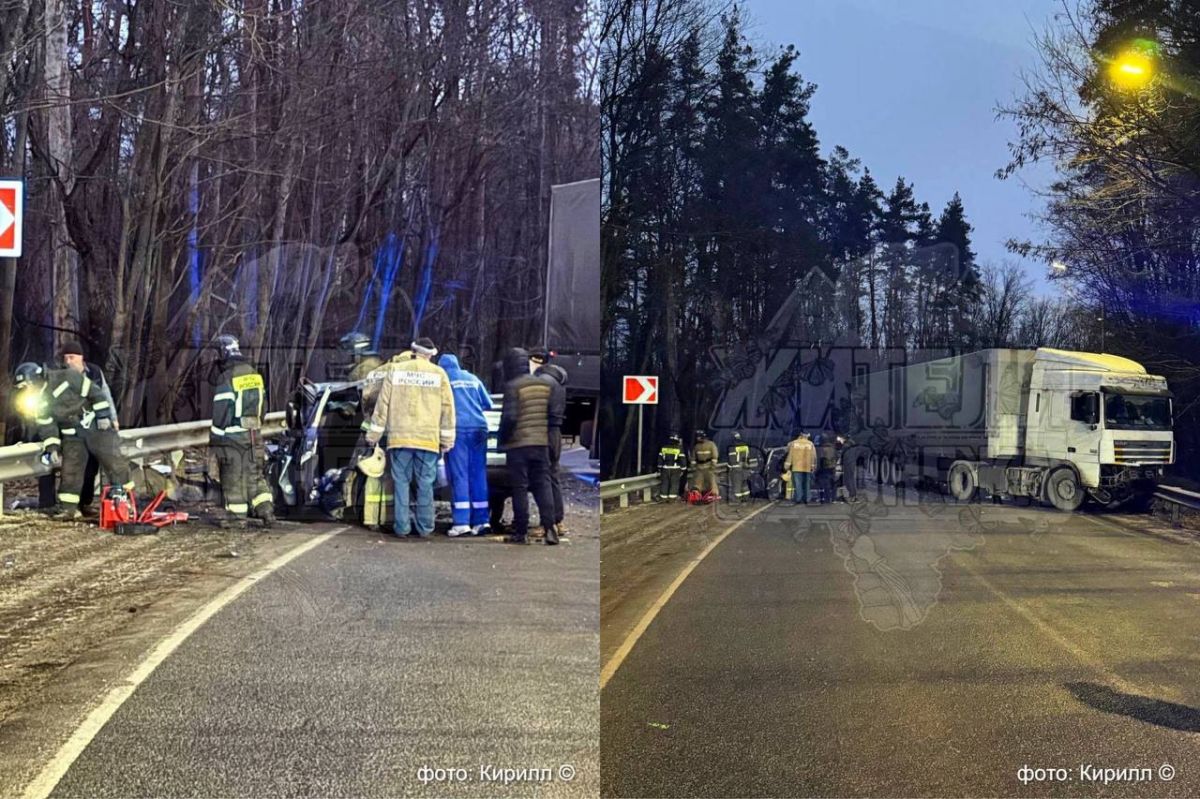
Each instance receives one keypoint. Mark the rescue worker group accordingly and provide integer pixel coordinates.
(419, 408)
(810, 470)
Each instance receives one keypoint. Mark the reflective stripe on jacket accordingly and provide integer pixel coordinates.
(704, 453)
(671, 458)
(802, 455)
(415, 407)
(739, 455)
(72, 394)
(238, 403)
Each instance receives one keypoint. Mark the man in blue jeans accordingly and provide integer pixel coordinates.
(415, 410)
(800, 460)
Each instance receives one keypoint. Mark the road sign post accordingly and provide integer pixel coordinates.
(12, 212)
(640, 390)
(641, 409)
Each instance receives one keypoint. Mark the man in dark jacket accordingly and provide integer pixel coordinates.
(87, 422)
(555, 377)
(826, 467)
(524, 438)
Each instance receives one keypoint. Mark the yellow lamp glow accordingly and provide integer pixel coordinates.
(1133, 69)
(28, 403)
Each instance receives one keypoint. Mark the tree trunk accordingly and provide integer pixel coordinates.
(266, 284)
(59, 148)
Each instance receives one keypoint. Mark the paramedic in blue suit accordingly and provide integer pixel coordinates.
(466, 463)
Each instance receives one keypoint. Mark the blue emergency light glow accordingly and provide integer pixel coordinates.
(431, 253)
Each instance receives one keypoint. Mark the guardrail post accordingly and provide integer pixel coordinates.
(1, 498)
(646, 497)
(624, 500)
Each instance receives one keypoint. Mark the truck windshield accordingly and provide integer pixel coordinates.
(1136, 412)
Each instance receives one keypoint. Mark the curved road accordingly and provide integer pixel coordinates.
(360, 662)
(921, 650)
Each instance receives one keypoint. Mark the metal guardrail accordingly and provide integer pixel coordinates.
(623, 488)
(1179, 498)
(23, 461)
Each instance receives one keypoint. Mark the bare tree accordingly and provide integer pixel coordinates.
(1005, 294)
(286, 171)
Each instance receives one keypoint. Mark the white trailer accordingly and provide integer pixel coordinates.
(1051, 425)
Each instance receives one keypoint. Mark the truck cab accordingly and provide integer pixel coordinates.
(1103, 417)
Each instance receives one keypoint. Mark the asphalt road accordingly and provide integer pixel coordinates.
(922, 650)
(642, 549)
(364, 660)
(81, 607)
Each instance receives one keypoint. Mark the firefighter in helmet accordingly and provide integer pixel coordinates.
(740, 466)
(363, 358)
(672, 461)
(37, 425)
(236, 435)
(367, 485)
(704, 465)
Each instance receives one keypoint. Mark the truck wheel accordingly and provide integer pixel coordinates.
(963, 485)
(1063, 490)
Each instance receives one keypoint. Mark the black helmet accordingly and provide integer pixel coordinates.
(737, 437)
(355, 342)
(29, 374)
(674, 438)
(226, 346)
(701, 435)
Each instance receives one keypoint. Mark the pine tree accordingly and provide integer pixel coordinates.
(898, 232)
(961, 289)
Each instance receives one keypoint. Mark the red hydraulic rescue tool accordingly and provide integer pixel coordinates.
(121, 515)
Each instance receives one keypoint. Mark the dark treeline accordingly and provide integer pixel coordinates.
(1124, 213)
(284, 170)
(719, 206)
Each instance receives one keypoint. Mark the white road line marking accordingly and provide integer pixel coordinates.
(49, 777)
(618, 657)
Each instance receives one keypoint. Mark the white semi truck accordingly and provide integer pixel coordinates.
(1050, 425)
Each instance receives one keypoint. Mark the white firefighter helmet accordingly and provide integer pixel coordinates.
(374, 464)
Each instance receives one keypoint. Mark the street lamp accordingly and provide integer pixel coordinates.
(1133, 68)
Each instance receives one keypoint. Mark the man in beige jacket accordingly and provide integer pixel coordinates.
(801, 459)
(415, 409)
